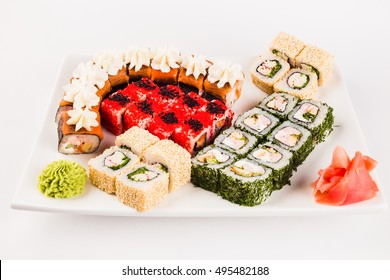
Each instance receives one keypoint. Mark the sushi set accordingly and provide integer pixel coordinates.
(167, 134)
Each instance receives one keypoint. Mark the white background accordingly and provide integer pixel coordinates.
(34, 37)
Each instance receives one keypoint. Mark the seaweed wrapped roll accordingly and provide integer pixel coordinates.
(287, 47)
(279, 104)
(236, 141)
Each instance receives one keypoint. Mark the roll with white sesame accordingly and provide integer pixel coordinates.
(104, 168)
(175, 158)
(298, 82)
(137, 140)
(142, 187)
(287, 47)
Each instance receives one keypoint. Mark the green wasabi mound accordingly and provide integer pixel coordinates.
(62, 179)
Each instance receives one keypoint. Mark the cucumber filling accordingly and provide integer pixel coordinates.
(142, 175)
(298, 80)
(312, 69)
(269, 68)
(281, 55)
(116, 160)
(160, 166)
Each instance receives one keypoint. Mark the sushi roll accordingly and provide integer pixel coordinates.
(315, 116)
(111, 61)
(222, 117)
(246, 182)
(137, 62)
(142, 187)
(104, 169)
(257, 122)
(175, 158)
(192, 73)
(137, 140)
(267, 70)
(165, 66)
(224, 82)
(79, 130)
(276, 158)
(317, 61)
(206, 166)
(236, 141)
(279, 104)
(287, 47)
(295, 139)
(298, 82)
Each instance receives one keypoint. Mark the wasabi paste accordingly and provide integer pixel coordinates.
(62, 179)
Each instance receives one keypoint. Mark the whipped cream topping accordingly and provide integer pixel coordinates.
(82, 118)
(195, 65)
(224, 72)
(82, 91)
(91, 72)
(137, 57)
(165, 59)
(110, 61)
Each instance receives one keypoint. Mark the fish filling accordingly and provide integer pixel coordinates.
(116, 160)
(298, 80)
(213, 156)
(247, 169)
(269, 68)
(267, 154)
(257, 122)
(306, 113)
(288, 136)
(277, 103)
(236, 140)
(142, 175)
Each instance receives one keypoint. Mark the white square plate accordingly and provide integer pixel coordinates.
(189, 201)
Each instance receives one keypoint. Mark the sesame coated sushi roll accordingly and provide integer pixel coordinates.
(111, 62)
(315, 116)
(165, 66)
(287, 47)
(298, 82)
(279, 104)
(137, 62)
(224, 82)
(142, 187)
(175, 158)
(236, 141)
(256, 122)
(192, 73)
(206, 167)
(295, 139)
(276, 158)
(318, 61)
(104, 168)
(137, 140)
(246, 182)
(267, 70)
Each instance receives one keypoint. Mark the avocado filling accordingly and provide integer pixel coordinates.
(236, 140)
(116, 160)
(213, 157)
(247, 169)
(267, 154)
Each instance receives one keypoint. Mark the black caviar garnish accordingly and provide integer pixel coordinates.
(169, 92)
(169, 118)
(215, 108)
(145, 83)
(145, 107)
(190, 102)
(120, 98)
(194, 124)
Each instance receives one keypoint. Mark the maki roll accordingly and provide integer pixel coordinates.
(276, 158)
(137, 140)
(279, 104)
(287, 47)
(246, 182)
(104, 168)
(298, 82)
(142, 187)
(295, 139)
(317, 61)
(206, 167)
(256, 122)
(175, 158)
(267, 70)
(315, 116)
(236, 141)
